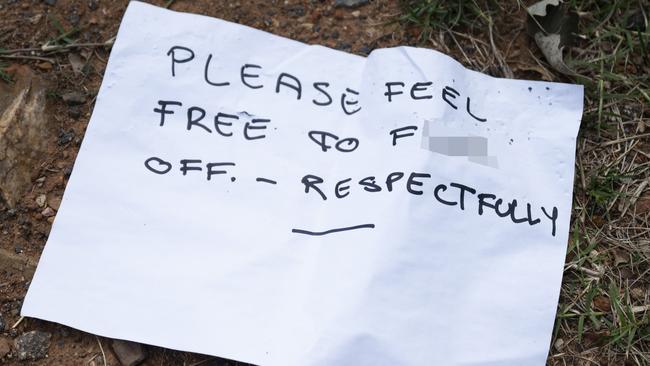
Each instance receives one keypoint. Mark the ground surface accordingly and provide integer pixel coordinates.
(603, 315)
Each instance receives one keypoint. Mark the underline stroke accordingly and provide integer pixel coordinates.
(319, 233)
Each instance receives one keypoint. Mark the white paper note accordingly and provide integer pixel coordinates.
(251, 197)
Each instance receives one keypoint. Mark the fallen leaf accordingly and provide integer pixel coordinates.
(45, 66)
(620, 256)
(550, 47)
(602, 303)
(643, 205)
(539, 8)
(553, 26)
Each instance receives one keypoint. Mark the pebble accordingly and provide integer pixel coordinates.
(32, 345)
(54, 202)
(5, 347)
(129, 353)
(40, 200)
(636, 22)
(18, 248)
(65, 137)
(343, 46)
(93, 5)
(296, 11)
(351, 3)
(47, 212)
(74, 98)
(76, 62)
(50, 2)
(2, 323)
(74, 19)
(74, 112)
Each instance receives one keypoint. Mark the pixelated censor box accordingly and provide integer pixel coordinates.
(251, 197)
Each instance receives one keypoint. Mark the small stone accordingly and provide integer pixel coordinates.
(74, 112)
(47, 212)
(54, 202)
(2, 324)
(65, 333)
(636, 22)
(356, 13)
(76, 62)
(93, 5)
(74, 19)
(296, 11)
(36, 18)
(40, 200)
(335, 35)
(638, 293)
(351, 3)
(74, 98)
(343, 46)
(5, 347)
(129, 353)
(65, 137)
(32, 345)
(50, 2)
(18, 248)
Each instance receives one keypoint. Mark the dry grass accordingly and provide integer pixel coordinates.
(603, 317)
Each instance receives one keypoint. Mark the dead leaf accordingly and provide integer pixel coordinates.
(594, 339)
(553, 26)
(602, 303)
(45, 66)
(639, 293)
(643, 205)
(598, 220)
(620, 256)
(539, 8)
(550, 47)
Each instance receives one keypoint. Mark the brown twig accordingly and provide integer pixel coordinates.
(47, 48)
(101, 349)
(38, 58)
